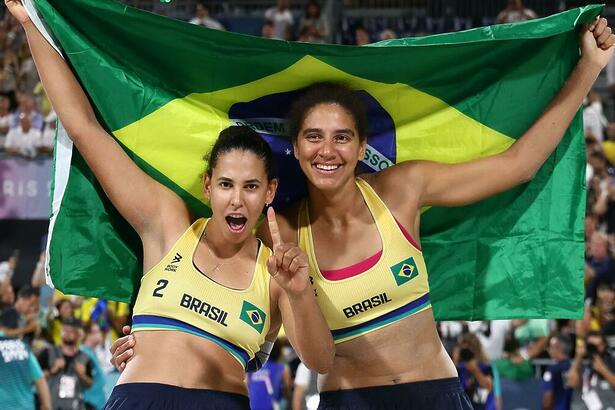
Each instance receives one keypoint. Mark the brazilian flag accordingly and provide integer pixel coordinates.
(165, 89)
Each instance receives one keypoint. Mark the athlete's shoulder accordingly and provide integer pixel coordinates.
(398, 181)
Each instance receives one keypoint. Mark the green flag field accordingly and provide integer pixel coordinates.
(165, 89)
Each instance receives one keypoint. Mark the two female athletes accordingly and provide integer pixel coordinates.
(207, 307)
(361, 237)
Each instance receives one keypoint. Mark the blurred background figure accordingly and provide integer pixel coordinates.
(94, 395)
(282, 20)
(267, 29)
(21, 319)
(23, 139)
(270, 386)
(477, 377)
(20, 373)
(313, 27)
(387, 34)
(305, 394)
(362, 36)
(45, 144)
(202, 18)
(557, 389)
(69, 371)
(514, 12)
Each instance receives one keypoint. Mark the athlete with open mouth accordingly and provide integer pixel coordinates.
(207, 308)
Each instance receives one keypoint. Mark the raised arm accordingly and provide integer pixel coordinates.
(303, 321)
(141, 200)
(468, 182)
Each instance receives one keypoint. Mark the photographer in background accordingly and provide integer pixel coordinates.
(477, 377)
(598, 377)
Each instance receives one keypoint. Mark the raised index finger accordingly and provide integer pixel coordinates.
(274, 231)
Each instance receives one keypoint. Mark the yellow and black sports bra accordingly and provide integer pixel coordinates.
(175, 295)
(395, 286)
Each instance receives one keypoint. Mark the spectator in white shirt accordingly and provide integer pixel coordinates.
(7, 267)
(202, 18)
(305, 393)
(282, 20)
(45, 144)
(27, 105)
(5, 119)
(23, 139)
(594, 121)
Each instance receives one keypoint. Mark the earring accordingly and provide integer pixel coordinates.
(266, 204)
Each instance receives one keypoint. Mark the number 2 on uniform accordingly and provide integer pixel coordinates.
(162, 283)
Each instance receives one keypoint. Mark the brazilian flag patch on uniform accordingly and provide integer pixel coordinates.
(405, 271)
(253, 316)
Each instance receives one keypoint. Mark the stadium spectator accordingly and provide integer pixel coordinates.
(65, 312)
(282, 19)
(45, 144)
(513, 366)
(28, 76)
(594, 120)
(608, 146)
(557, 390)
(313, 26)
(38, 282)
(305, 392)
(387, 34)
(7, 295)
(9, 73)
(604, 207)
(361, 36)
(515, 11)
(267, 29)
(68, 370)
(202, 18)
(118, 315)
(7, 267)
(601, 265)
(600, 312)
(491, 335)
(5, 119)
(19, 372)
(598, 378)
(477, 376)
(95, 394)
(23, 139)
(269, 387)
(15, 35)
(533, 335)
(27, 106)
(21, 320)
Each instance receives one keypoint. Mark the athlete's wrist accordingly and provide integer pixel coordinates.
(300, 295)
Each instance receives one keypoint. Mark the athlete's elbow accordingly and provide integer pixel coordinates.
(79, 131)
(526, 174)
(323, 361)
(321, 365)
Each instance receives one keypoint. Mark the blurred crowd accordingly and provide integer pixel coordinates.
(55, 347)
(27, 122)
(67, 336)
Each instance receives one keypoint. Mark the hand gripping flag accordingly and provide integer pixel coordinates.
(165, 89)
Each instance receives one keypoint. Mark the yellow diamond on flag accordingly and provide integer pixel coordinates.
(426, 127)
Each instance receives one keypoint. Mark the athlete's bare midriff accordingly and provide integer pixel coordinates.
(184, 360)
(407, 351)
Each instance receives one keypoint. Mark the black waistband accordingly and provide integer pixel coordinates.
(416, 395)
(158, 395)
